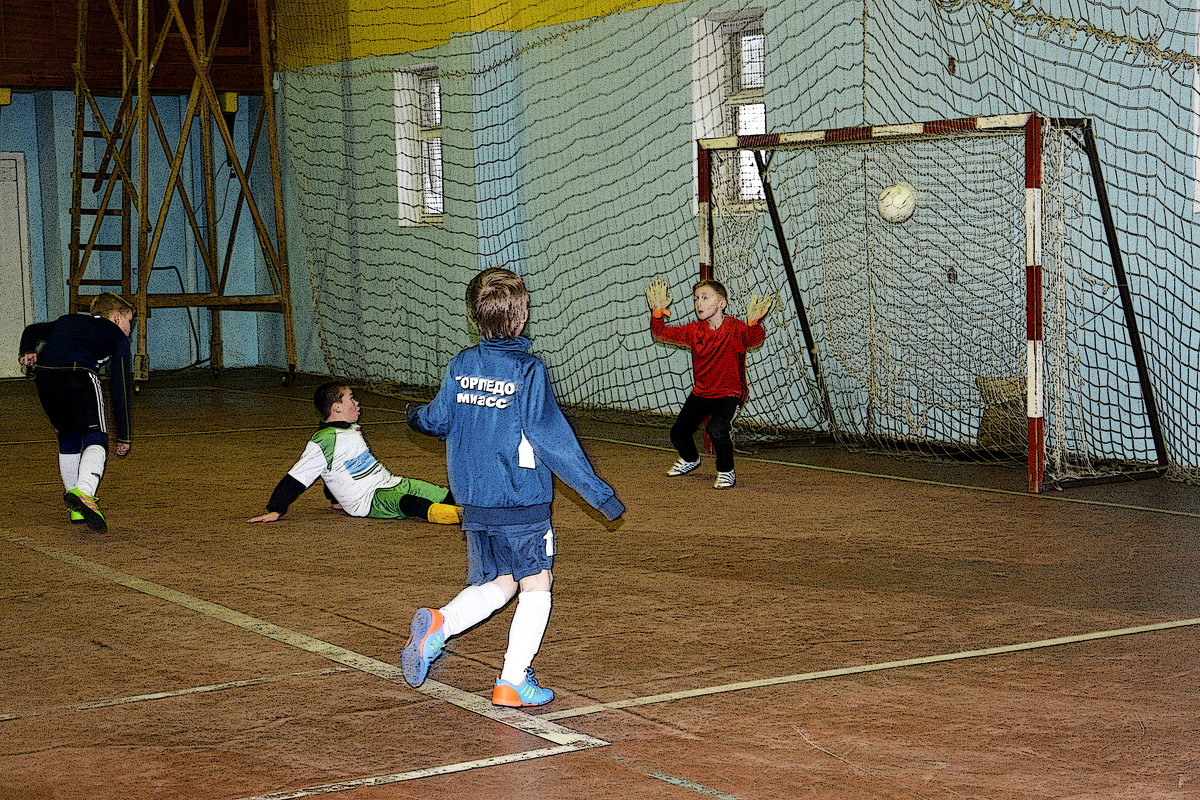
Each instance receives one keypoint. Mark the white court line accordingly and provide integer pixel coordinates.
(448, 769)
(142, 698)
(1049, 498)
(832, 673)
(542, 726)
(566, 739)
(683, 783)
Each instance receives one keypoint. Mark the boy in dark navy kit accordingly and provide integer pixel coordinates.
(506, 441)
(66, 370)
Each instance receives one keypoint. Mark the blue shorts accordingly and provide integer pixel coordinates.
(517, 550)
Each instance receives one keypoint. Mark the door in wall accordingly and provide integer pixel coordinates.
(16, 271)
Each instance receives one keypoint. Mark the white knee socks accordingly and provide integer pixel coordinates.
(474, 604)
(525, 636)
(91, 469)
(68, 469)
(470, 607)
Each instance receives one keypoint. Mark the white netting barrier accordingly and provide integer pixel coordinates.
(568, 153)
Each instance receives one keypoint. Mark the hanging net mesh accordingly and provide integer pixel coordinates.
(917, 330)
(564, 147)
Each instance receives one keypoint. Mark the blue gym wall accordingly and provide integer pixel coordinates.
(40, 124)
(569, 155)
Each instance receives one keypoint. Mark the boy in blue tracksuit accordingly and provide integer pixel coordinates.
(506, 440)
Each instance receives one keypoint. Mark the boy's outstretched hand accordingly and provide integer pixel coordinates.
(758, 308)
(659, 298)
(270, 516)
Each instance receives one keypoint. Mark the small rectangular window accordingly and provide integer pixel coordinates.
(729, 77)
(418, 109)
(751, 119)
(746, 46)
(431, 174)
(431, 101)
(431, 144)
(751, 62)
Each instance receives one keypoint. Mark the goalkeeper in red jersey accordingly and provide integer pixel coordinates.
(719, 343)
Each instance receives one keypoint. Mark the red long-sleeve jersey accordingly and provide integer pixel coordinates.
(718, 357)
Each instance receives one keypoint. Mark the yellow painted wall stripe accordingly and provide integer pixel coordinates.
(313, 32)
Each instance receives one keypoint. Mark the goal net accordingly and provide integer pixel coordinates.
(994, 324)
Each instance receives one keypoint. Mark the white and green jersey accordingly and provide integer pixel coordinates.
(339, 455)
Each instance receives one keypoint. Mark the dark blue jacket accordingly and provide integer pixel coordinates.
(82, 341)
(506, 438)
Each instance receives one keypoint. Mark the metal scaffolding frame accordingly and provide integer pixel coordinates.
(122, 177)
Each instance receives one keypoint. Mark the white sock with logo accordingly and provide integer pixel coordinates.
(525, 635)
(91, 469)
(470, 607)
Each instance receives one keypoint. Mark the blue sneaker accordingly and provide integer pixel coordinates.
(424, 645)
(527, 694)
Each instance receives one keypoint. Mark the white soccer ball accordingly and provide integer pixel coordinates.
(897, 202)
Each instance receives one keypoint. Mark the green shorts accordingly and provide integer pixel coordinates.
(387, 503)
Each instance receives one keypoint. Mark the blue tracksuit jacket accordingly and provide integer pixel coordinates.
(506, 438)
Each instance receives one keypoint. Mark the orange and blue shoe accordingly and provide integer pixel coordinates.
(424, 645)
(529, 693)
(85, 504)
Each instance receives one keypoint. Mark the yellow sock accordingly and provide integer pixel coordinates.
(444, 514)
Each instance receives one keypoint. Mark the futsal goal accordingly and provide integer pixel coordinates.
(994, 324)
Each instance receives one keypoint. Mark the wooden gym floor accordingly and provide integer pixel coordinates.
(818, 631)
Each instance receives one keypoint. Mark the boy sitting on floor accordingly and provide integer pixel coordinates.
(358, 483)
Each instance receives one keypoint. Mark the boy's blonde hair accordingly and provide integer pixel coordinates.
(498, 303)
(108, 302)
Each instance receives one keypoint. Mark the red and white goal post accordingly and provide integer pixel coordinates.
(995, 324)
